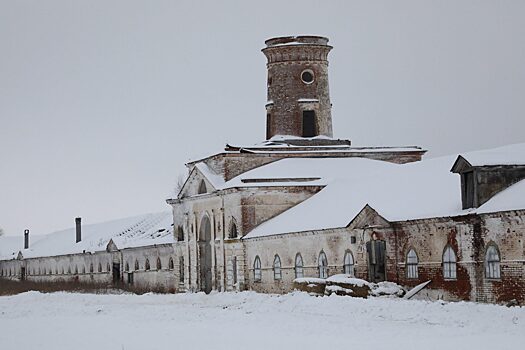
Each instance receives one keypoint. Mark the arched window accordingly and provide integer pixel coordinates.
(233, 230)
(99, 267)
(84, 269)
(323, 265)
(146, 266)
(299, 266)
(277, 268)
(348, 263)
(412, 262)
(180, 234)
(76, 270)
(257, 269)
(492, 260)
(181, 269)
(108, 266)
(170, 264)
(202, 188)
(159, 264)
(137, 266)
(69, 270)
(449, 263)
(91, 268)
(126, 267)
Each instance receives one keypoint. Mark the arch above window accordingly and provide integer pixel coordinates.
(449, 263)
(257, 269)
(348, 263)
(299, 266)
(492, 262)
(412, 264)
(277, 275)
(202, 188)
(323, 265)
(146, 265)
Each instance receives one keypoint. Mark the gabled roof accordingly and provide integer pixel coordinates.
(506, 155)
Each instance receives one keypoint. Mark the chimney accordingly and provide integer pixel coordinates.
(26, 239)
(78, 229)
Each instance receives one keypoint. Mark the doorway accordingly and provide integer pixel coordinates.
(205, 277)
(116, 272)
(309, 129)
(376, 258)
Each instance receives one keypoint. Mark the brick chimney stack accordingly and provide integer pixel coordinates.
(298, 95)
(26, 239)
(78, 227)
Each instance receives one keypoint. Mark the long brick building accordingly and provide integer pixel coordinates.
(304, 204)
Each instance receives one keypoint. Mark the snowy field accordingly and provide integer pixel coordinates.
(252, 321)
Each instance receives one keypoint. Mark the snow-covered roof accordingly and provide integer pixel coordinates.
(506, 155)
(143, 230)
(411, 191)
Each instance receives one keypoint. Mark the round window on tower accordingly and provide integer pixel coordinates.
(307, 76)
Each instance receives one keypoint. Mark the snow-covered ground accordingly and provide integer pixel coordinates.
(252, 321)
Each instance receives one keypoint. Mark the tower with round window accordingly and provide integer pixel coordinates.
(298, 95)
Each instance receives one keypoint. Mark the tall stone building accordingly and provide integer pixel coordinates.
(303, 204)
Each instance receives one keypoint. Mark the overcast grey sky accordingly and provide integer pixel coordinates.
(102, 102)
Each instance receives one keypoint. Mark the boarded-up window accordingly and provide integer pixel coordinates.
(309, 129)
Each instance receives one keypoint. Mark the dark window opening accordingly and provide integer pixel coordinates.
(468, 190)
(180, 234)
(307, 77)
(202, 187)
(233, 230)
(309, 129)
(268, 126)
(181, 269)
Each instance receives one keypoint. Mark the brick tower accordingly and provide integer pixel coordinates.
(298, 96)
